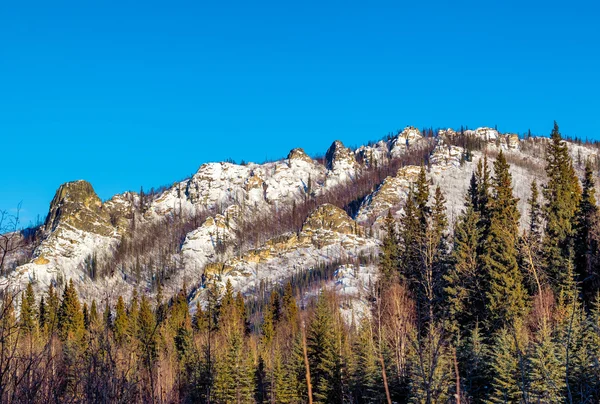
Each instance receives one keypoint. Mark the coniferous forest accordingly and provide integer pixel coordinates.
(477, 311)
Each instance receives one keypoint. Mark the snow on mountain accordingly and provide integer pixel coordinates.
(328, 235)
(80, 227)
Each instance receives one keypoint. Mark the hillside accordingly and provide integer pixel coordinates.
(448, 267)
(257, 223)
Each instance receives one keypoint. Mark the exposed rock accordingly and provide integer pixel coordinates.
(329, 217)
(76, 204)
(298, 154)
(408, 137)
(339, 157)
(445, 156)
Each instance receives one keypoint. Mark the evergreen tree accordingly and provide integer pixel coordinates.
(147, 332)
(535, 213)
(474, 370)
(562, 194)
(411, 237)
(586, 249)
(388, 258)
(509, 366)
(367, 386)
(94, 317)
(86, 317)
(42, 314)
(121, 323)
(70, 316)
(483, 180)
(506, 294)
(28, 312)
(323, 356)
(52, 309)
(465, 288)
(422, 198)
(547, 368)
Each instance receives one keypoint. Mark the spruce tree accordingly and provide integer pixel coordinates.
(70, 316)
(509, 366)
(367, 386)
(562, 194)
(465, 288)
(586, 248)
(28, 313)
(388, 258)
(410, 237)
(535, 213)
(147, 332)
(323, 356)
(506, 294)
(547, 367)
(121, 323)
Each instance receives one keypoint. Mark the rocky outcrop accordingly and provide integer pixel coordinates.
(298, 154)
(405, 139)
(329, 217)
(75, 204)
(339, 157)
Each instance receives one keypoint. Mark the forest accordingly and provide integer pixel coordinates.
(478, 311)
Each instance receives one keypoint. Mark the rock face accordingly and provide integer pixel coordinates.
(339, 157)
(76, 205)
(329, 217)
(405, 139)
(299, 155)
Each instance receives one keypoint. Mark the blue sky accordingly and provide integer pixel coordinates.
(129, 94)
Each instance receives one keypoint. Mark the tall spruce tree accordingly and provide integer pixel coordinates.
(506, 294)
(388, 258)
(465, 290)
(535, 213)
(509, 366)
(411, 237)
(70, 316)
(28, 314)
(586, 248)
(323, 354)
(562, 194)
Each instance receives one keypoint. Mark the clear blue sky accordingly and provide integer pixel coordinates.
(129, 94)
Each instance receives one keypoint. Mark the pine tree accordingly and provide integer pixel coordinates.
(28, 313)
(474, 367)
(86, 316)
(431, 374)
(52, 306)
(535, 213)
(422, 198)
(94, 317)
(147, 331)
(547, 367)
(465, 288)
(323, 355)
(586, 248)
(509, 366)
(42, 314)
(234, 372)
(562, 194)
(367, 386)
(411, 239)
(506, 294)
(482, 207)
(70, 316)
(121, 323)
(388, 258)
